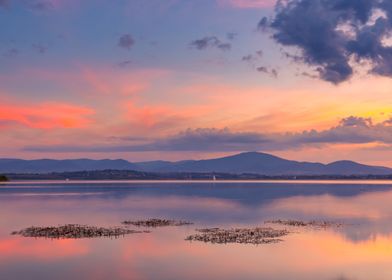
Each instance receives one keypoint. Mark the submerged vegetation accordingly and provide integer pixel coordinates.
(298, 223)
(239, 235)
(74, 232)
(156, 223)
(256, 235)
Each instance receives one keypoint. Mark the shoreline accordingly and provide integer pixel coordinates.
(162, 181)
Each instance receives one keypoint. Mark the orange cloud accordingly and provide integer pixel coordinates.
(46, 115)
(121, 83)
(94, 81)
(283, 108)
(163, 115)
(149, 115)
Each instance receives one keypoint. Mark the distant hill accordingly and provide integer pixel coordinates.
(251, 162)
(266, 164)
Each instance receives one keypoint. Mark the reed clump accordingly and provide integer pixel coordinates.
(72, 231)
(239, 235)
(299, 223)
(156, 223)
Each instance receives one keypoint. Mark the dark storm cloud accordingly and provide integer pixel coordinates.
(351, 130)
(126, 41)
(210, 42)
(331, 32)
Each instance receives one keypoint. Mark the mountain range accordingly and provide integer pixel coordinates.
(250, 162)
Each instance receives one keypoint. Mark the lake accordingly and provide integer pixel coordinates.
(361, 249)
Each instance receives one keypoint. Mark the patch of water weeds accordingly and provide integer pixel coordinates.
(156, 223)
(299, 223)
(239, 235)
(72, 231)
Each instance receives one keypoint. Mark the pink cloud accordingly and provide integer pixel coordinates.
(46, 115)
(248, 4)
(163, 115)
(59, 4)
(109, 82)
(94, 81)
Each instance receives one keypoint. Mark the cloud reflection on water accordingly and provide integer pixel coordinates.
(359, 251)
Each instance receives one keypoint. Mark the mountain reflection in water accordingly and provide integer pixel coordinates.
(362, 249)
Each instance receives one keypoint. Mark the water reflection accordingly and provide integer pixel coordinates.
(360, 250)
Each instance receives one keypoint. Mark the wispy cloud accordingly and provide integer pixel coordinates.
(231, 35)
(11, 52)
(248, 4)
(266, 70)
(125, 63)
(126, 41)
(41, 5)
(46, 115)
(39, 48)
(4, 3)
(351, 130)
(210, 42)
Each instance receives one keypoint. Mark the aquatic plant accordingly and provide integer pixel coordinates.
(156, 223)
(239, 235)
(72, 231)
(299, 223)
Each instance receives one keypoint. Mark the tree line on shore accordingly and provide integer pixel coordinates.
(139, 175)
(3, 178)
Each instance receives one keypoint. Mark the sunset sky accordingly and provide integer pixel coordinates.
(189, 79)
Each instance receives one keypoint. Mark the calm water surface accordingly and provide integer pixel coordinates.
(360, 250)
